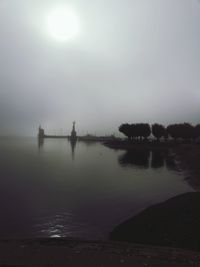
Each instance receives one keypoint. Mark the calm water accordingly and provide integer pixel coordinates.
(82, 190)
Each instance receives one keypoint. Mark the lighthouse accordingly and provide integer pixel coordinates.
(41, 134)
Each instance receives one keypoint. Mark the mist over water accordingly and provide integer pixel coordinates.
(134, 61)
(57, 188)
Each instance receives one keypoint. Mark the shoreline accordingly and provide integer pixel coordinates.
(187, 156)
(67, 252)
(127, 145)
(188, 160)
(160, 224)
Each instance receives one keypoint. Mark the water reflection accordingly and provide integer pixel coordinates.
(147, 158)
(73, 143)
(171, 162)
(40, 143)
(55, 225)
(139, 158)
(89, 143)
(73, 146)
(157, 159)
(46, 194)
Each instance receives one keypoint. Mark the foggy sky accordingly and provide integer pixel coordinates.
(134, 61)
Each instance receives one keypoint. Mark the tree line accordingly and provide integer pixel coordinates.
(184, 131)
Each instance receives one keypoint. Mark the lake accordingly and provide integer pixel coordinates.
(56, 188)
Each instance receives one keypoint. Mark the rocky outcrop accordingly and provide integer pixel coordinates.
(174, 223)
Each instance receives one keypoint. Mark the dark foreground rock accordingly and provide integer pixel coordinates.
(74, 253)
(174, 223)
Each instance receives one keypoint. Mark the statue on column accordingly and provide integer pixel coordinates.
(73, 132)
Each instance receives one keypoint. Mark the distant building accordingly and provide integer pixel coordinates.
(41, 132)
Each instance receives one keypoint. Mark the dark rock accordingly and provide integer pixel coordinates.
(174, 223)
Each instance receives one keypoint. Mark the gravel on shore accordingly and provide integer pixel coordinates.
(63, 252)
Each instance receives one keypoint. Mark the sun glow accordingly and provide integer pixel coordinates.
(63, 23)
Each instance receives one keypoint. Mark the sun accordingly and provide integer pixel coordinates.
(63, 23)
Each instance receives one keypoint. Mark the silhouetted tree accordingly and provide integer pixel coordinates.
(196, 133)
(174, 131)
(181, 130)
(146, 130)
(139, 158)
(158, 131)
(184, 131)
(133, 131)
(137, 130)
(157, 159)
(187, 131)
(166, 135)
(126, 130)
(142, 130)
